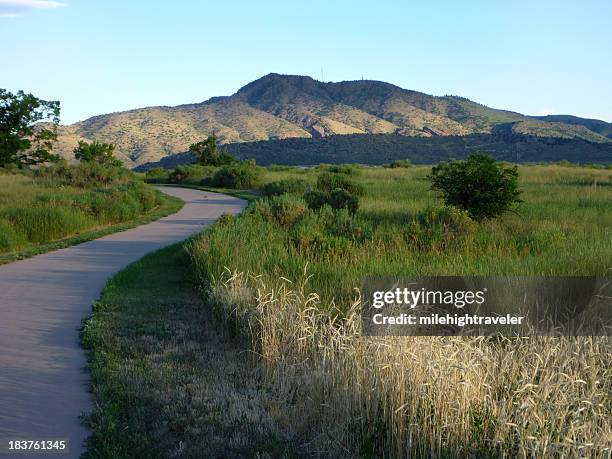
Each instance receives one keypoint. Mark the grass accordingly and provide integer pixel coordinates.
(289, 285)
(562, 228)
(167, 381)
(166, 340)
(40, 213)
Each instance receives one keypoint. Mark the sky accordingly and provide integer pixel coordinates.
(98, 56)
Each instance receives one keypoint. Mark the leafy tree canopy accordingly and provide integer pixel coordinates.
(23, 142)
(96, 152)
(208, 153)
(480, 185)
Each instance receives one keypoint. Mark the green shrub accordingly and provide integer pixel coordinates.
(157, 175)
(287, 209)
(84, 175)
(329, 231)
(290, 185)
(316, 199)
(261, 209)
(192, 173)
(329, 181)
(241, 175)
(309, 234)
(346, 169)
(9, 238)
(439, 228)
(121, 207)
(480, 185)
(342, 199)
(337, 199)
(399, 163)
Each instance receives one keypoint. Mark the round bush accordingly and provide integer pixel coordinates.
(329, 181)
(342, 199)
(244, 174)
(316, 199)
(287, 209)
(480, 185)
(290, 185)
(193, 173)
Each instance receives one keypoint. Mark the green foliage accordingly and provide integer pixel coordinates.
(96, 152)
(399, 163)
(45, 224)
(316, 199)
(241, 175)
(347, 169)
(157, 175)
(279, 167)
(290, 185)
(22, 142)
(10, 238)
(342, 199)
(555, 197)
(287, 209)
(440, 228)
(192, 174)
(330, 181)
(378, 149)
(480, 185)
(84, 175)
(208, 153)
(50, 204)
(337, 199)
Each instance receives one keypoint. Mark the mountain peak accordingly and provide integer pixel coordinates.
(277, 106)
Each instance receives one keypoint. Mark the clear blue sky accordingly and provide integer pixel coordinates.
(98, 56)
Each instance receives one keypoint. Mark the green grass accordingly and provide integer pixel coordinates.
(43, 213)
(287, 278)
(166, 381)
(563, 227)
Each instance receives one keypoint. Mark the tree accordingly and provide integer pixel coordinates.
(479, 185)
(208, 153)
(23, 142)
(96, 152)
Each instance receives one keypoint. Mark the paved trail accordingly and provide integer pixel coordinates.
(43, 387)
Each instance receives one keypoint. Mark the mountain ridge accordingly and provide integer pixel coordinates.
(279, 106)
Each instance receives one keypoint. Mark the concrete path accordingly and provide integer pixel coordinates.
(43, 300)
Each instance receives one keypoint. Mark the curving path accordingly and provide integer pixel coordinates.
(43, 300)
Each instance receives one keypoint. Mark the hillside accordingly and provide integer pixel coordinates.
(287, 106)
(377, 149)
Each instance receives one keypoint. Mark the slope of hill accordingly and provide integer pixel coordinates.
(376, 149)
(598, 126)
(288, 106)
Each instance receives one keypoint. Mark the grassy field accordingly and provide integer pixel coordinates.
(50, 209)
(248, 344)
(563, 227)
(167, 381)
(286, 277)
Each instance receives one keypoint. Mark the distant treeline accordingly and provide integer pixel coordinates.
(379, 149)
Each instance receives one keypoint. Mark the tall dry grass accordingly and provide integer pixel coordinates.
(345, 395)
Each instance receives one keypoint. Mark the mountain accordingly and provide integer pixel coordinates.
(598, 126)
(290, 106)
